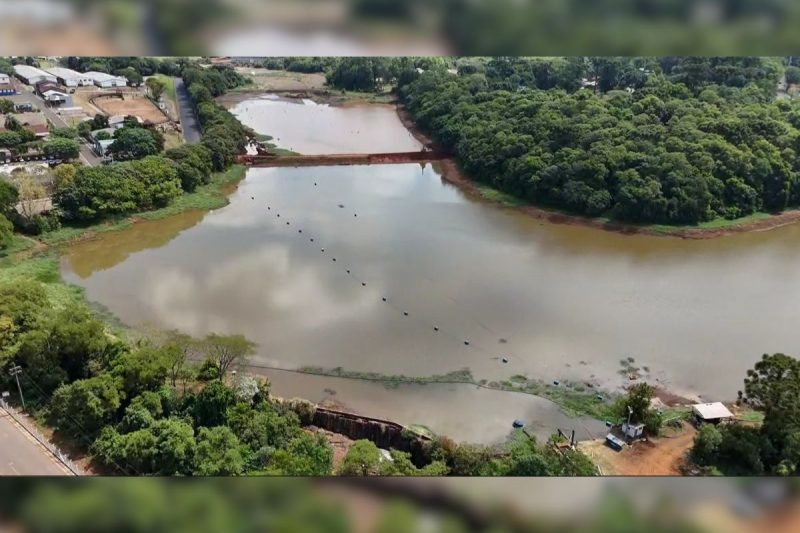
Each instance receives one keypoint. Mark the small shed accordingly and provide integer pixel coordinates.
(632, 431)
(713, 413)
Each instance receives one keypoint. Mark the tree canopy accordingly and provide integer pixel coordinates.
(674, 141)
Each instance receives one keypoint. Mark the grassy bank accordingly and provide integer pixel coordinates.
(575, 399)
(271, 146)
(206, 197)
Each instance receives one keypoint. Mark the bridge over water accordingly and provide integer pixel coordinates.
(389, 158)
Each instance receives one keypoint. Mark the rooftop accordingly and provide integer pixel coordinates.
(65, 73)
(712, 411)
(27, 71)
(30, 119)
(102, 76)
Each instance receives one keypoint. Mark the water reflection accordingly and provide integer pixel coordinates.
(310, 128)
(570, 302)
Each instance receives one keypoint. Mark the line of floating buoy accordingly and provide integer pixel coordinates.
(505, 360)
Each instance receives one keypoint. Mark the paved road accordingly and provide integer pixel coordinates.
(189, 124)
(22, 455)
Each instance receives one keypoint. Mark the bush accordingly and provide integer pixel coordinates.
(6, 233)
(706, 445)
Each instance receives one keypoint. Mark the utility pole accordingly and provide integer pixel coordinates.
(15, 371)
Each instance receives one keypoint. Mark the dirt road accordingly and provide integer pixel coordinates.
(663, 456)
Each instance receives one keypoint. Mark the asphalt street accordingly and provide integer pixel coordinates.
(22, 455)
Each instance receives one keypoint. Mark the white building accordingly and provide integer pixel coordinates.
(32, 75)
(4, 79)
(711, 412)
(70, 78)
(106, 81)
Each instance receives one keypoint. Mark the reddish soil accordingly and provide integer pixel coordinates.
(135, 105)
(453, 174)
(663, 456)
(338, 442)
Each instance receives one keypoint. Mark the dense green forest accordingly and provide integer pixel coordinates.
(673, 140)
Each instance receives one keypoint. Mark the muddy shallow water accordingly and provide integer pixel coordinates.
(307, 127)
(560, 302)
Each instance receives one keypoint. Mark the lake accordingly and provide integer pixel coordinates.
(308, 127)
(559, 302)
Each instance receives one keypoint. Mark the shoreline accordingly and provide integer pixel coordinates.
(451, 172)
(320, 96)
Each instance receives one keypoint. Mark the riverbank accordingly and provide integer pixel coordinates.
(214, 195)
(453, 174)
(333, 98)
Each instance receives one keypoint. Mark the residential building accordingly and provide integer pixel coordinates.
(70, 78)
(106, 81)
(101, 145)
(32, 75)
(6, 88)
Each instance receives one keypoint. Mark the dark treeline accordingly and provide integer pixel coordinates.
(667, 140)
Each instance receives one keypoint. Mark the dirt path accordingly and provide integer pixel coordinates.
(454, 175)
(663, 456)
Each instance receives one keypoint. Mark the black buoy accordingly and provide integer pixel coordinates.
(519, 424)
(505, 359)
(287, 222)
(334, 259)
(405, 313)
(466, 343)
(267, 208)
(348, 271)
(322, 249)
(252, 197)
(312, 239)
(556, 382)
(299, 231)
(279, 215)
(435, 328)
(341, 206)
(384, 298)
(363, 284)
(315, 184)
(355, 215)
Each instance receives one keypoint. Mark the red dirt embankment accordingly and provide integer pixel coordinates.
(453, 174)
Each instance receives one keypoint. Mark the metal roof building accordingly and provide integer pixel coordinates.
(711, 411)
(32, 75)
(69, 77)
(101, 79)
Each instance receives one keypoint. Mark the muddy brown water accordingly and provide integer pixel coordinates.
(308, 127)
(560, 302)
